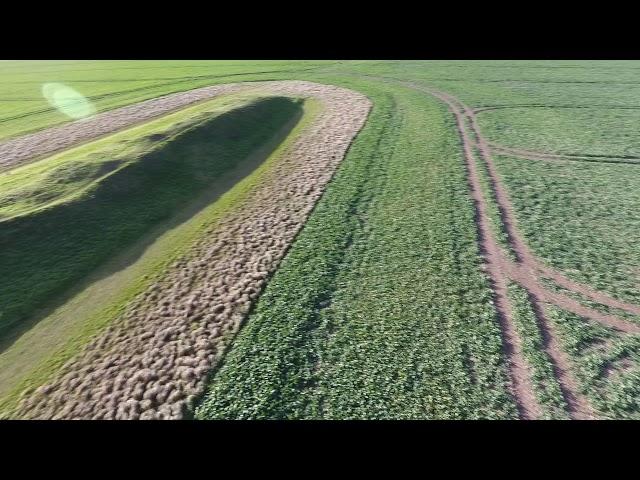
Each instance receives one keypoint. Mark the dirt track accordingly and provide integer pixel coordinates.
(521, 382)
(153, 362)
(527, 271)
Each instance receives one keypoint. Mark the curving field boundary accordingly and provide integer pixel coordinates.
(153, 361)
(555, 157)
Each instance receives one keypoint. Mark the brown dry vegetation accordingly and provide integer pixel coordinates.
(152, 363)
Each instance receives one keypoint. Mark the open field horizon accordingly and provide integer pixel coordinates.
(319, 240)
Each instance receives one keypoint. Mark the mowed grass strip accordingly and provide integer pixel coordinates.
(380, 309)
(43, 254)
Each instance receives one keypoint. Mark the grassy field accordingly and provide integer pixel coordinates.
(110, 84)
(380, 309)
(606, 364)
(560, 227)
(546, 385)
(581, 218)
(610, 132)
(33, 352)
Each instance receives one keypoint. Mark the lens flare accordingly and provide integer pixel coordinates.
(67, 100)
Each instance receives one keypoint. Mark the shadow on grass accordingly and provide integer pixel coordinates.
(48, 257)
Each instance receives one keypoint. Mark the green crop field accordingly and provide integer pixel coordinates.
(469, 250)
(393, 319)
(580, 217)
(111, 84)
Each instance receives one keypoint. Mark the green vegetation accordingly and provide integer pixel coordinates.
(111, 84)
(606, 363)
(587, 302)
(581, 218)
(379, 310)
(62, 177)
(49, 250)
(493, 211)
(610, 132)
(489, 83)
(545, 384)
(95, 302)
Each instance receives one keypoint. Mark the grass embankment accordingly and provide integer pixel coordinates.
(339, 342)
(44, 252)
(379, 309)
(65, 176)
(95, 302)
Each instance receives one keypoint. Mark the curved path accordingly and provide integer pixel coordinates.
(152, 362)
(527, 262)
(543, 105)
(535, 155)
(523, 252)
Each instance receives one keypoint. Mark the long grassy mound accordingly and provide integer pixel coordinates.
(48, 251)
(25, 189)
(33, 356)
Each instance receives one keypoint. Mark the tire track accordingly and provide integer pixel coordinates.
(500, 269)
(527, 271)
(522, 250)
(543, 105)
(528, 267)
(519, 373)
